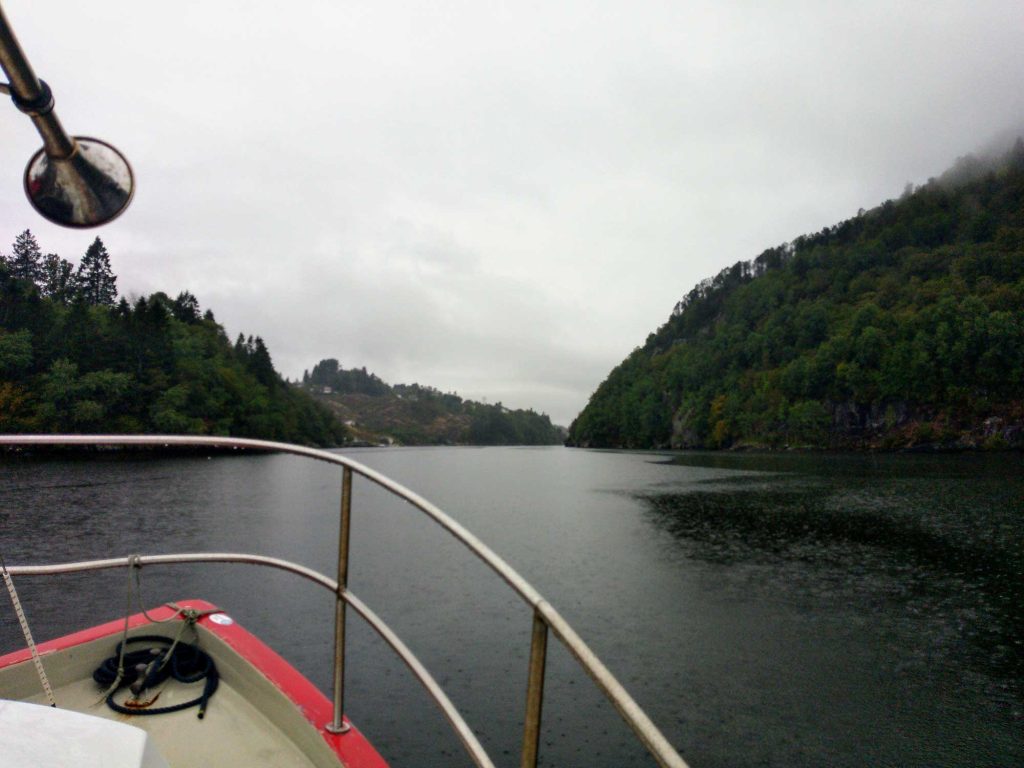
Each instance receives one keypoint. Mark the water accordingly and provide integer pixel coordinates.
(764, 610)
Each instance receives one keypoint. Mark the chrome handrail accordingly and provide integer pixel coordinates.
(545, 617)
(465, 733)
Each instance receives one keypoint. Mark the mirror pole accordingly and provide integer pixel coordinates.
(31, 95)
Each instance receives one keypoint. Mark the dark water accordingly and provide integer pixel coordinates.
(778, 610)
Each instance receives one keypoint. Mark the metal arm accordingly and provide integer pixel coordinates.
(74, 182)
(31, 95)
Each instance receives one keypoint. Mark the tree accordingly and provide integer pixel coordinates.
(25, 261)
(57, 278)
(97, 284)
(325, 373)
(186, 308)
(261, 365)
(15, 351)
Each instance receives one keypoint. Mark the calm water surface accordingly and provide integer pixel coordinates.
(764, 610)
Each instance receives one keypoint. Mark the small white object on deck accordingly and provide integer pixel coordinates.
(37, 736)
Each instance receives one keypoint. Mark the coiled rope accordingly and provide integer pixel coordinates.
(144, 669)
(161, 658)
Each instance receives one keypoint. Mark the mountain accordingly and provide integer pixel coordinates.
(75, 359)
(901, 327)
(412, 414)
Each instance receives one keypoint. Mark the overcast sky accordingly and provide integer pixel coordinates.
(497, 199)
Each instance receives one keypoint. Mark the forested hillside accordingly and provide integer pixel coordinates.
(413, 414)
(900, 327)
(75, 358)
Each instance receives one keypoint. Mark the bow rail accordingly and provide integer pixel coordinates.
(545, 617)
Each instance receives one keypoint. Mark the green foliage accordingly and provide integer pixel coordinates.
(95, 282)
(15, 352)
(914, 307)
(58, 280)
(415, 414)
(25, 262)
(74, 359)
(497, 425)
(328, 375)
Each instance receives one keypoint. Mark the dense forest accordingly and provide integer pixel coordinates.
(900, 327)
(414, 414)
(75, 358)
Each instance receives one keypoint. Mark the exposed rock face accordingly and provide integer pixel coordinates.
(852, 419)
(992, 426)
(898, 426)
(883, 426)
(684, 435)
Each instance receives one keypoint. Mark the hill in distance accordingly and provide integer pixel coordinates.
(902, 327)
(411, 414)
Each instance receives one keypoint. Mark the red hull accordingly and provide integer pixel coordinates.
(352, 748)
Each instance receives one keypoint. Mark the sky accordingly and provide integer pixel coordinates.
(496, 199)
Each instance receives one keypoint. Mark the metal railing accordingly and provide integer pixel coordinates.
(545, 618)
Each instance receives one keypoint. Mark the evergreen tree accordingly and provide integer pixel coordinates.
(241, 351)
(25, 261)
(186, 307)
(261, 365)
(97, 284)
(57, 278)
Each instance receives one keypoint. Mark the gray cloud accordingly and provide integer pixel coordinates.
(497, 199)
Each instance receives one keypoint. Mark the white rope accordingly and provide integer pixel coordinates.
(27, 632)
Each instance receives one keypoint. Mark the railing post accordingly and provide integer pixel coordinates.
(338, 725)
(534, 692)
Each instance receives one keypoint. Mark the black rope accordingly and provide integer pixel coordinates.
(187, 664)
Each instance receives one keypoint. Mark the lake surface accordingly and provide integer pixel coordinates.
(782, 610)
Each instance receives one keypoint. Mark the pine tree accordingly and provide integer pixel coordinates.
(97, 283)
(261, 365)
(186, 308)
(57, 278)
(25, 261)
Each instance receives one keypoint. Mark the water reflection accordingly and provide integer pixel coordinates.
(917, 553)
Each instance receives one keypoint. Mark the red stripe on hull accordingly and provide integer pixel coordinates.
(352, 748)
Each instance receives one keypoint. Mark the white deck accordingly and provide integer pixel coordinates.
(248, 721)
(39, 736)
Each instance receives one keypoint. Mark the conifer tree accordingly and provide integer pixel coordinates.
(57, 278)
(260, 363)
(25, 261)
(186, 307)
(97, 283)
